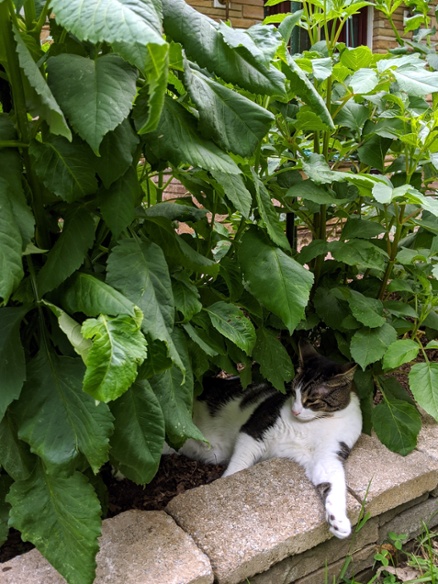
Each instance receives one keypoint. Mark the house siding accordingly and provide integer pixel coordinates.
(242, 13)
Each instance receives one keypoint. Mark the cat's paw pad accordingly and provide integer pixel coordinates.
(340, 525)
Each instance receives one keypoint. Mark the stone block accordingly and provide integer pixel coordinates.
(428, 438)
(386, 479)
(389, 515)
(412, 521)
(295, 567)
(249, 521)
(360, 561)
(137, 547)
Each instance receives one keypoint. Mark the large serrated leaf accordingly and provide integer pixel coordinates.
(134, 21)
(423, 382)
(85, 293)
(12, 358)
(397, 424)
(72, 329)
(368, 311)
(118, 202)
(116, 153)
(417, 82)
(118, 349)
(68, 253)
(15, 456)
(138, 438)
(66, 168)
(44, 105)
(177, 139)
(400, 352)
(204, 43)
(278, 282)
(232, 120)
(175, 394)
(271, 220)
(368, 345)
(140, 271)
(60, 515)
(235, 191)
(230, 321)
(11, 267)
(275, 363)
(96, 95)
(57, 419)
(359, 252)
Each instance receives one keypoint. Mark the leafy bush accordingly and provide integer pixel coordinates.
(112, 313)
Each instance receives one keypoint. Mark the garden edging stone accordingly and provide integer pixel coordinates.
(265, 524)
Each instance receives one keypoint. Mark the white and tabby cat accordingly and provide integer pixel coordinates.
(315, 424)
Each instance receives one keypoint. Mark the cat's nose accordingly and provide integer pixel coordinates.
(296, 411)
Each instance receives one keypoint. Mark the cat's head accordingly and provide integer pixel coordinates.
(321, 386)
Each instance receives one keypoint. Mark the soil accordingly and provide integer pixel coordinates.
(175, 475)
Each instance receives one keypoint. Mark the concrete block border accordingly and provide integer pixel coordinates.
(264, 525)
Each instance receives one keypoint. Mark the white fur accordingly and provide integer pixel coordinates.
(298, 434)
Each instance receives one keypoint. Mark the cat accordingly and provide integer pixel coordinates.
(316, 423)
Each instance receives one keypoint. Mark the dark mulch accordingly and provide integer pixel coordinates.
(175, 475)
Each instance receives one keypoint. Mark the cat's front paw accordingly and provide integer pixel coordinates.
(339, 525)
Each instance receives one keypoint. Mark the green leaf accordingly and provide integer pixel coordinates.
(96, 95)
(60, 515)
(374, 150)
(11, 268)
(43, 104)
(177, 251)
(5, 484)
(275, 363)
(361, 228)
(12, 174)
(302, 86)
(368, 311)
(175, 395)
(138, 438)
(85, 293)
(400, 352)
(319, 171)
(233, 121)
(15, 456)
(140, 271)
(423, 382)
(177, 139)
(230, 321)
(331, 306)
(72, 329)
(235, 191)
(397, 424)
(116, 153)
(309, 191)
(57, 419)
(204, 43)
(133, 21)
(186, 296)
(356, 58)
(288, 24)
(66, 168)
(360, 253)
(12, 358)
(279, 283)
(153, 61)
(363, 81)
(370, 345)
(119, 201)
(118, 349)
(275, 229)
(417, 82)
(69, 252)
(259, 40)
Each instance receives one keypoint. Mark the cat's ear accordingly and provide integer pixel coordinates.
(305, 352)
(347, 372)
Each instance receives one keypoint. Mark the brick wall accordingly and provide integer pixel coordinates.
(383, 35)
(242, 13)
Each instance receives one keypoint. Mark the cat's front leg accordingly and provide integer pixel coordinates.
(247, 451)
(329, 479)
